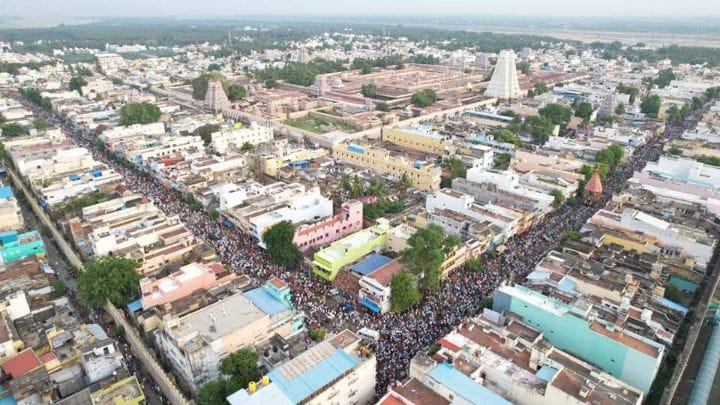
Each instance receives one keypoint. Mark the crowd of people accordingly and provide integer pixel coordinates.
(402, 335)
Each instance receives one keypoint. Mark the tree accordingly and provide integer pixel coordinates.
(205, 132)
(76, 83)
(620, 109)
(425, 253)
(474, 264)
(424, 98)
(541, 88)
(216, 392)
(650, 105)
(664, 78)
(376, 188)
(139, 113)
(523, 67)
(382, 106)
(214, 214)
(279, 244)
(200, 84)
(214, 67)
(612, 155)
(246, 147)
(236, 92)
(241, 366)
(558, 197)
(405, 183)
(556, 113)
(12, 129)
(539, 127)
(2, 119)
(633, 92)
(59, 288)
(584, 110)
(40, 123)
(403, 292)
(369, 90)
(109, 278)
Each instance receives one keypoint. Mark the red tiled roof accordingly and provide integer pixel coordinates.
(48, 357)
(594, 185)
(22, 363)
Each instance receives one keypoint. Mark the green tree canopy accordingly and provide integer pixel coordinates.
(556, 113)
(200, 84)
(426, 252)
(523, 67)
(584, 110)
(139, 113)
(214, 67)
(612, 155)
(109, 278)
(369, 90)
(216, 392)
(650, 105)
(403, 292)
(41, 123)
(558, 197)
(236, 92)
(241, 366)
(76, 83)
(279, 244)
(664, 78)
(12, 129)
(382, 106)
(205, 132)
(424, 98)
(620, 109)
(539, 127)
(633, 92)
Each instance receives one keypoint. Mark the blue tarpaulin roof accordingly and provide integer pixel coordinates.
(370, 304)
(370, 264)
(683, 284)
(134, 306)
(546, 373)
(307, 383)
(7, 237)
(9, 400)
(265, 301)
(465, 386)
(671, 304)
(567, 285)
(228, 223)
(6, 192)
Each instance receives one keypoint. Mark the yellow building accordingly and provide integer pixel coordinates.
(424, 175)
(123, 392)
(422, 138)
(271, 164)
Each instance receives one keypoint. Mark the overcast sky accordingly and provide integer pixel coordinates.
(238, 8)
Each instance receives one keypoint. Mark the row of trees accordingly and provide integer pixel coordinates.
(139, 113)
(301, 74)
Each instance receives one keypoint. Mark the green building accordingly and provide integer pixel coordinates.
(21, 246)
(350, 249)
(574, 328)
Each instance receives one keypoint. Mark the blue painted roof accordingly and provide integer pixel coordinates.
(567, 285)
(683, 284)
(307, 383)
(465, 386)
(671, 304)
(9, 400)
(134, 306)
(270, 394)
(6, 192)
(546, 373)
(370, 263)
(265, 301)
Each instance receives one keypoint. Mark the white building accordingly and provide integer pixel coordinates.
(309, 206)
(337, 370)
(685, 170)
(256, 134)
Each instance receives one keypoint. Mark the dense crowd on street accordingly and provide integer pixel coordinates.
(401, 335)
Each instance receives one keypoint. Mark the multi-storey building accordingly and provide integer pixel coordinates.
(424, 175)
(325, 231)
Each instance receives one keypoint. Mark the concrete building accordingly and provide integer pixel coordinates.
(308, 206)
(10, 215)
(187, 280)
(424, 175)
(685, 170)
(375, 287)
(505, 182)
(195, 343)
(18, 246)
(336, 370)
(272, 163)
(325, 231)
(233, 139)
(516, 363)
(419, 137)
(575, 328)
(504, 81)
(329, 261)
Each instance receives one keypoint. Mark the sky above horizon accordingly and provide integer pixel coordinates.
(238, 8)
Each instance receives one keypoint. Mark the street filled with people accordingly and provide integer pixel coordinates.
(402, 335)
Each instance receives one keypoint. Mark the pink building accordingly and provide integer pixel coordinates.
(348, 220)
(184, 282)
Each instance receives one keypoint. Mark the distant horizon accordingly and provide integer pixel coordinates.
(646, 9)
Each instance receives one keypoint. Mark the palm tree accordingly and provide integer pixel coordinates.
(377, 188)
(358, 188)
(345, 183)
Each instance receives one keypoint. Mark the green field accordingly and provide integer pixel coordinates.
(319, 125)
